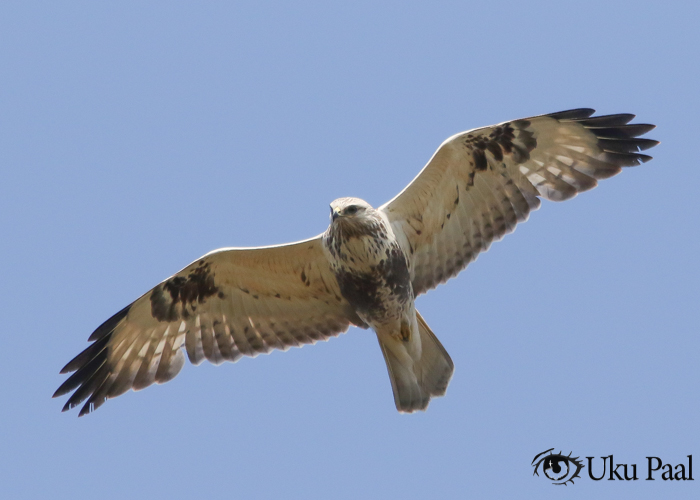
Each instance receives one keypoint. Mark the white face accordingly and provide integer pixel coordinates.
(348, 207)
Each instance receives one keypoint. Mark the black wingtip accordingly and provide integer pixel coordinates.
(90, 368)
(108, 326)
(622, 131)
(633, 145)
(626, 159)
(87, 408)
(608, 120)
(572, 114)
(619, 140)
(65, 387)
(88, 354)
(647, 143)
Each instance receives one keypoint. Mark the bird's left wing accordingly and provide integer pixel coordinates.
(479, 184)
(229, 303)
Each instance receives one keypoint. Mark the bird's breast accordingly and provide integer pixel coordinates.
(372, 274)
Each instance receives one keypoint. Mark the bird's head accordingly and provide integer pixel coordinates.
(350, 209)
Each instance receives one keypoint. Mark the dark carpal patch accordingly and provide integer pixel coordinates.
(178, 297)
(502, 141)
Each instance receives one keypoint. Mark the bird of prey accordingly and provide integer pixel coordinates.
(365, 270)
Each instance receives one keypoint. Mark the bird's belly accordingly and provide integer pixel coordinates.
(379, 290)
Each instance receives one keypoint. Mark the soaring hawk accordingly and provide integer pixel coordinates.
(365, 270)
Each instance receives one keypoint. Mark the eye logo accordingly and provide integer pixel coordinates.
(560, 469)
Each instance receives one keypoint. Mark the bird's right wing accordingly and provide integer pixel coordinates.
(481, 183)
(231, 302)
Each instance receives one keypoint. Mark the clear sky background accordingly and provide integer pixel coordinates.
(137, 136)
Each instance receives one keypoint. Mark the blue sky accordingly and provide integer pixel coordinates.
(137, 136)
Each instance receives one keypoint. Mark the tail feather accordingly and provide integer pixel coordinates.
(435, 367)
(413, 381)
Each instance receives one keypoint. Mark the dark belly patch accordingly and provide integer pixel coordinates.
(371, 292)
(361, 290)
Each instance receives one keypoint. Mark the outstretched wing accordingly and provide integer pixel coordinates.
(229, 303)
(479, 184)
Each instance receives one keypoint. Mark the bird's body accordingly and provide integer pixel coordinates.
(366, 270)
(372, 270)
(368, 262)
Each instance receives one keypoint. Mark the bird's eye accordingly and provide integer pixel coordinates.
(351, 210)
(560, 469)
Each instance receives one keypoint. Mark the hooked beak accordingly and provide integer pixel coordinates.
(335, 213)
